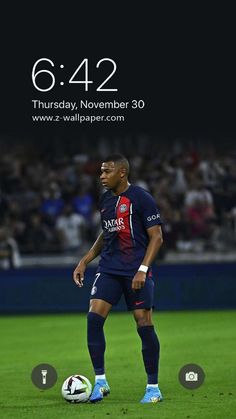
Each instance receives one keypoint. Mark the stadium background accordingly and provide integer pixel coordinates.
(49, 195)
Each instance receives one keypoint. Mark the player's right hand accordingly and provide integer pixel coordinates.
(78, 274)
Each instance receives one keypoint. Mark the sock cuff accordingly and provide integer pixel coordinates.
(144, 328)
(95, 317)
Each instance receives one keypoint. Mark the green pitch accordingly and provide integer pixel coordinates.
(204, 338)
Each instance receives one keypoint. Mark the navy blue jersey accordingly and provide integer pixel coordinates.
(125, 219)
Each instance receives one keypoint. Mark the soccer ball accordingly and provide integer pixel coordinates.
(76, 389)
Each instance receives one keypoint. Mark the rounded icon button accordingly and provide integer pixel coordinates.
(44, 376)
(191, 376)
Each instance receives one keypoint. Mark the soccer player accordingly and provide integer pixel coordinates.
(130, 239)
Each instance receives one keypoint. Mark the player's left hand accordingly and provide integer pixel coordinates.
(138, 280)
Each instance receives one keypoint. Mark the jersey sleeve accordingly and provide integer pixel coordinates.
(148, 210)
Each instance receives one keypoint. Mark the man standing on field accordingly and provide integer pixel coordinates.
(130, 239)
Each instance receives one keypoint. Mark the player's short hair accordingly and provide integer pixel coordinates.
(118, 158)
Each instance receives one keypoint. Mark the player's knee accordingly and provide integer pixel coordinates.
(143, 321)
(99, 307)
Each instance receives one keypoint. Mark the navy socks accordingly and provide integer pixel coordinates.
(96, 341)
(150, 352)
(97, 345)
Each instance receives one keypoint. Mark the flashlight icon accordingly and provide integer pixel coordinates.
(43, 376)
(44, 373)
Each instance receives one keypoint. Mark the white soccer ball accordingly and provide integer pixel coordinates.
(76, 389)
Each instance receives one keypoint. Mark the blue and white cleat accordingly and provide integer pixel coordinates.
(100, 390)
(152, 395)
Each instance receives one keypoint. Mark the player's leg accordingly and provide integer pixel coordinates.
(141, 303)
(97, 315)
(105, 292)
(150, 344)
(150, 353)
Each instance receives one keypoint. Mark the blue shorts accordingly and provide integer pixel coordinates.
(109, 287)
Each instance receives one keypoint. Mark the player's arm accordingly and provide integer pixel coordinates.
(155, 242)
(78, 274)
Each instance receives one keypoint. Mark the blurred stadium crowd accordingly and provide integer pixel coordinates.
(49, 193)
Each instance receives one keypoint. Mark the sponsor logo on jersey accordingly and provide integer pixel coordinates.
(153, 217)
(123, 208)
(115, 224)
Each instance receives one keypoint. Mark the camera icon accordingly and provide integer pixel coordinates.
(191, 376)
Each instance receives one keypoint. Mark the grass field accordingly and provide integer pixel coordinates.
(204, 338)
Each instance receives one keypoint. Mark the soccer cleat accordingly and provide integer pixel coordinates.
(100, 390)
(152, 395)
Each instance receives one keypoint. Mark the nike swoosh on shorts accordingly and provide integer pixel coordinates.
(137, 303)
